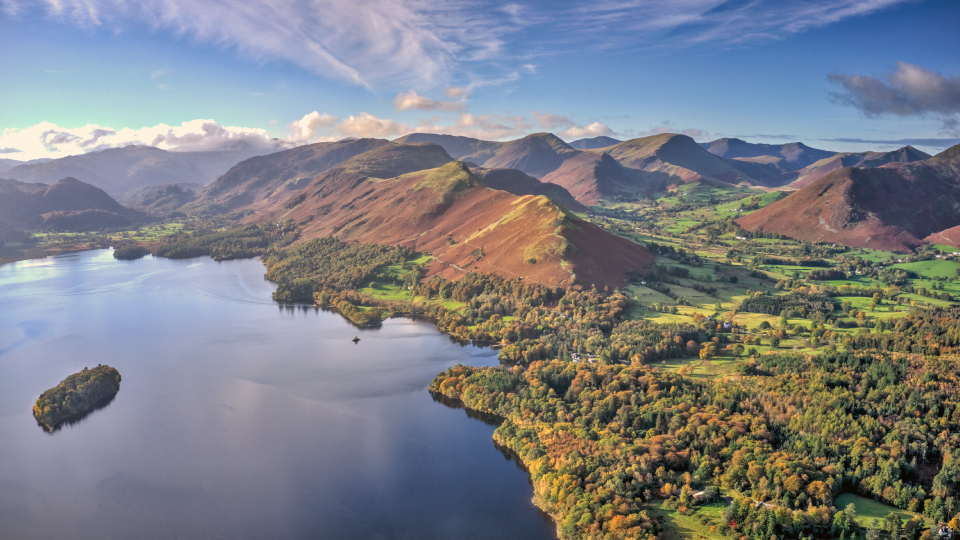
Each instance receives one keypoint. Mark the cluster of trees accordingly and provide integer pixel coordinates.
(227, 244)
(801, 302)
(792, 432)
(327, 264)
(934, 331)
(536, 322)
(77, 394)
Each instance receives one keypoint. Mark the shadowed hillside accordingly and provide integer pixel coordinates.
(67, 205)
(160, 199)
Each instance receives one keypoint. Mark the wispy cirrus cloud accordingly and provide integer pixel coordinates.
(910, 90)
(689, 22)
(421, 44)
(367, 42)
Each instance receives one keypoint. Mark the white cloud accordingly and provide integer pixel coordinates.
(305, 128)
(457, 92)
(595, 129)
(366, 125)
(550, 122)
(52, 141)
(910, 90)
(411, 101)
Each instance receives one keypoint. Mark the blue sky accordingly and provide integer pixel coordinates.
(79, 75)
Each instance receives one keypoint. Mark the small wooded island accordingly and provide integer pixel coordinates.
(77, 394)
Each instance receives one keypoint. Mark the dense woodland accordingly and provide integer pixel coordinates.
(227, 244)
(792, 432)
(326, 264)
(76, 394)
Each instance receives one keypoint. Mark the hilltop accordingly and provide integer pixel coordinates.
(591, 178)
(641, 166)
(457, 147)
(793, 156)
(893, 207)
(676, 156)
(67, 205)
(594, 142)
(467, 226)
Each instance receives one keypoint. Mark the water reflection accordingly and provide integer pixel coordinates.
(77, 418)
(486, 418)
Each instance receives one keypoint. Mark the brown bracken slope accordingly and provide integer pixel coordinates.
(467, 226)
(894, 207)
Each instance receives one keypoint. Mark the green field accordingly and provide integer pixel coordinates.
(677, 526)
(939, 268)
(867, 509)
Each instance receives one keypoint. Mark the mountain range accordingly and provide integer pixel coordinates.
(895, 207)
(116, 170)
(502, 207)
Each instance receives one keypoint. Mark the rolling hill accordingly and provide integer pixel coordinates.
(676, 155)
(645, 165)
(536, 155)
(68, 205)
(116, 170)
(794, 156)
(823, 167)
(7, 164)
(893, 207)
(448, 211)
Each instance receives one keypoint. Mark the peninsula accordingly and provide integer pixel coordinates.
(77, 394)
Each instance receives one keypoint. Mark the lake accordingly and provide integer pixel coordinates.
(237, 417)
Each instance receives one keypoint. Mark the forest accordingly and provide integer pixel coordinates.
(783, 440)
(76, 394)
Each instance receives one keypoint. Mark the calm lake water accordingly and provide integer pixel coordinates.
(236, 418)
